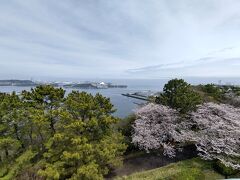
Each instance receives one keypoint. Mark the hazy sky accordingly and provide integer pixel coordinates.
(119, 38)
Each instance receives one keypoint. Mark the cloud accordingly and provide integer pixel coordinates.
(96, 38)
(213, 66)
(157, 67)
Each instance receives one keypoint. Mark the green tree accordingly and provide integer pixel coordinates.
(179, 95)
(11, 135)
(8, 144)
(73, 137)
(47, 98)
(85, 144)
(23, 122)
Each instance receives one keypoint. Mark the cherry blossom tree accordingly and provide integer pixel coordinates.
(155, 128)
(217, 133)
(213, 128)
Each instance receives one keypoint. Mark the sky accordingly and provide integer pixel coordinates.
(122, 39)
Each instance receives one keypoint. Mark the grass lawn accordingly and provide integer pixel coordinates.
(193, 169)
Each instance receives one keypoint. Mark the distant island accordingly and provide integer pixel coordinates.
(85, 85)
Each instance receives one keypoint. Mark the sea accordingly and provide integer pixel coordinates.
(124, 105)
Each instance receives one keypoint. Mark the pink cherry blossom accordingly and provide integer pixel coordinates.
(213, 128)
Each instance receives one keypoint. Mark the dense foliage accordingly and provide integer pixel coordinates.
(126, 128)
(58, 137)
(213, 128)
(225, 170)
(179, 95)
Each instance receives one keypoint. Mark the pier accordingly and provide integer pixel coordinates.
(135, 96)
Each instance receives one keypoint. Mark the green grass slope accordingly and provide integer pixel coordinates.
(193, 169)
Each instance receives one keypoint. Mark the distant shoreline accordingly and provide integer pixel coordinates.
(86, 85)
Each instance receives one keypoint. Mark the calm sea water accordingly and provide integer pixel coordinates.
(125, 105)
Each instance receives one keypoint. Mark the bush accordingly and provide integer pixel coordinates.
(224, 170)
(125, 126)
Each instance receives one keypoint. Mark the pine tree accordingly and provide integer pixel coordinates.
(179, 95)
(85, 145)
(48, 99)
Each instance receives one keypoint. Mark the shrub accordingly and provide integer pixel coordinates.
(224, 170)
(126, 127)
